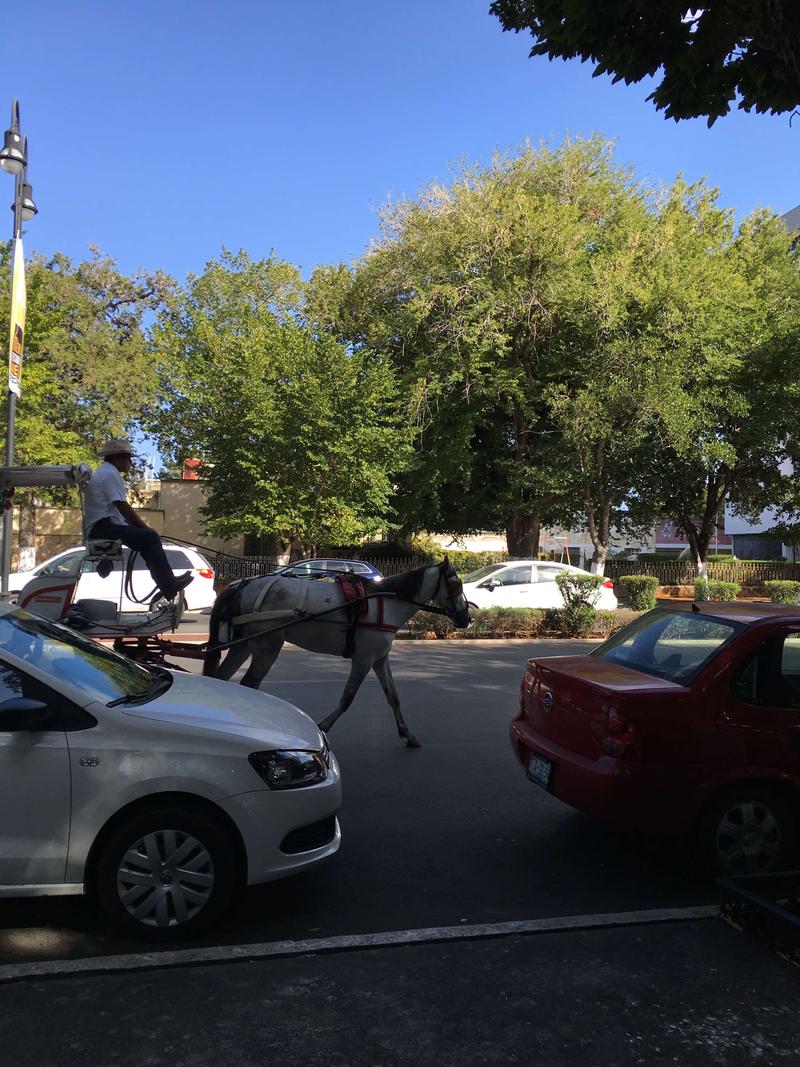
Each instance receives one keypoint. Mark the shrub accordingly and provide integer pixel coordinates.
(605, 623)
(426, 622)
(723, 590)
(461, 561)
(493, 622)
(580, 593)
(639, 590)
(701, 589)
(551, 620)
(783, 592)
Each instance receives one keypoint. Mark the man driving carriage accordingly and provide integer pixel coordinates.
(109, 516)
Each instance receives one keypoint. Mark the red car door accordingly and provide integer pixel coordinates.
(760, 719)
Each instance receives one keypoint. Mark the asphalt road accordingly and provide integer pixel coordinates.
(397, 950)
(449, 833)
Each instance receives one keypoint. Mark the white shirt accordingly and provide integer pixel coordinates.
(104, 487)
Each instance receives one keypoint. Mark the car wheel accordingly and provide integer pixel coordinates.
(749, 830)
(166, 874)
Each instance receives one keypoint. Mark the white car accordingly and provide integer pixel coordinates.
(526, 583)
(198, 594)
(158, 793)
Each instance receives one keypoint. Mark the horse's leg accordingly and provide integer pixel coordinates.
(384, 673)
(264, 655)
(234, 658)
(359, 669)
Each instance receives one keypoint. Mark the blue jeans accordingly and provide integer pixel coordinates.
(144, 541)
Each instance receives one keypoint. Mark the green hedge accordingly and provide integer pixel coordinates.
(639, 590)
(520, 622)
(781, 592)
(709, 589)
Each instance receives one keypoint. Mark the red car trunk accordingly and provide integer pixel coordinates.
(579, 702)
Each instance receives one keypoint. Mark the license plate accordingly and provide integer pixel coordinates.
(539, 770)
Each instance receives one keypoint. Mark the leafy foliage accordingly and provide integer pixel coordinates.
(86, 371)
(639, 590)
(707, 55)
(783, 592)
(298, 436)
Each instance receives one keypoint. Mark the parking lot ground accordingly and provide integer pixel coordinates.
(692, 992)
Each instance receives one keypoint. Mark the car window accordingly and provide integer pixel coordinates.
(514, 576)
(65, 567)
(546, 574)
(668, 644)
(97, 671)
(482, 572)
(178, 560)
(771, 676)
(16, 683)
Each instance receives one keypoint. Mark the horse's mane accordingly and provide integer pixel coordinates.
(407, 584)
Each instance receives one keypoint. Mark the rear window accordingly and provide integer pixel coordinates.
(668, 644)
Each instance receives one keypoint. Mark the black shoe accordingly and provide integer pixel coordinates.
(179, 583)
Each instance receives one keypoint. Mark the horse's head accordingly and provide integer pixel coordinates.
(449, 595)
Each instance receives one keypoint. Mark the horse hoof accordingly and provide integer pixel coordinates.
(412, 742)
(324, 726)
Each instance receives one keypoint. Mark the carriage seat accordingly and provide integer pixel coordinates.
(103, 548)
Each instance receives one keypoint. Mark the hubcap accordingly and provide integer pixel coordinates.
(165, 878)
(748, 838)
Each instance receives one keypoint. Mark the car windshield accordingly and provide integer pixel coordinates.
(97, 671)
(482, 572)
(669, 644)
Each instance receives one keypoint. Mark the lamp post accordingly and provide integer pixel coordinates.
(14, 160)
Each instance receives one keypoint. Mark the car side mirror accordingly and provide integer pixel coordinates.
(22, 713)
(489, 584)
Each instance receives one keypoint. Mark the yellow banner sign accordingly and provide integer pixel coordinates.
(16, 343)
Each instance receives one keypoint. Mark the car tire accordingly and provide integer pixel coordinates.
(146, 893)
(751, 829)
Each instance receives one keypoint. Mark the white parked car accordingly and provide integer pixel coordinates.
(158, 793)
(525, 583)
(198, 594)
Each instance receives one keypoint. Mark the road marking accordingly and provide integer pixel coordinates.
(140, 961)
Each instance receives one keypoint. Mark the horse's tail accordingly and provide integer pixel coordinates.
(213, 651)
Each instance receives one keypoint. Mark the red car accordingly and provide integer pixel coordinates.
(687, 720)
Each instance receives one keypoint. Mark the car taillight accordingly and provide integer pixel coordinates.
(205, 572)
(622, 739)
(608, 584)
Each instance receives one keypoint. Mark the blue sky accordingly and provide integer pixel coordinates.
(161, 131)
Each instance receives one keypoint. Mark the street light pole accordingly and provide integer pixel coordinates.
(14, 160)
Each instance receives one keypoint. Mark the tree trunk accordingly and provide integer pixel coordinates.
(522, 535)
(598, 522)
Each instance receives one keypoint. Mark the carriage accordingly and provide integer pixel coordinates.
(253, 617)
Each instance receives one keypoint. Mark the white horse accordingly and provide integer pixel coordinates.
(246, 619)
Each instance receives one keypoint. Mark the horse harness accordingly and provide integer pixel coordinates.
(356, 605)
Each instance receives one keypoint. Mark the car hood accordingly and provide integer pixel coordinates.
(207, 704)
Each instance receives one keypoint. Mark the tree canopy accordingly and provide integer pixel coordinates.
(707, 55)
(298, 436)
(86, 372)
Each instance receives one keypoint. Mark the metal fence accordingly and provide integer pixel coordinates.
(684, 572)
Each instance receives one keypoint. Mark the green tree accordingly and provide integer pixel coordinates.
(298, 435)
(476, 292)
(707, 55)
(741, 394)
(86, 371)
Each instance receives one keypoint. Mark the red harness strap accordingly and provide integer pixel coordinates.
(354, 592)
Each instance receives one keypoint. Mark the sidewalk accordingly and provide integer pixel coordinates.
(685, 993)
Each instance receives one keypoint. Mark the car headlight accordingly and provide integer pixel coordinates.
(291, 768)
